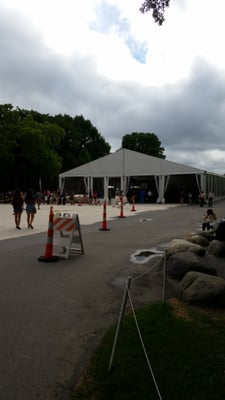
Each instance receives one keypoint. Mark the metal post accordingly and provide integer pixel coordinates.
(120, 320)
(164, 275)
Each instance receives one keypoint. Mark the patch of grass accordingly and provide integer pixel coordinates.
(187, 355)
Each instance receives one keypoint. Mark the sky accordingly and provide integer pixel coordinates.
(107, 61)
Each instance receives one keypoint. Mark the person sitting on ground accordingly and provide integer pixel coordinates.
(208, 220)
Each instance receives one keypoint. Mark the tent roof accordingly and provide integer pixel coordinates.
(126, 162)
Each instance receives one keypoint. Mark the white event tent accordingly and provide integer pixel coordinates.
(127, 166)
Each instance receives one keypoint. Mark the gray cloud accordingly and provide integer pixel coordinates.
(188, 117)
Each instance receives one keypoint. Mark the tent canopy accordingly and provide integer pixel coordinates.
(126, 162)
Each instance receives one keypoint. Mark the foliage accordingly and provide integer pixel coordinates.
(82, 142)
(186, 355)
(147, 143)
(8, 120)
(35, 145)
(157, 7)
(35, 155)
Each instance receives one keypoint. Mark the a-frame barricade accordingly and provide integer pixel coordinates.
(67, 238)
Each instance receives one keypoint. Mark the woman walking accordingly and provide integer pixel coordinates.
(30, 207)
(17, 203)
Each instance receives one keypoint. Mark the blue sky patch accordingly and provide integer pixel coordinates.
(108, 19)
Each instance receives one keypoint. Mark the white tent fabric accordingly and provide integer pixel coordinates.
(126, 163)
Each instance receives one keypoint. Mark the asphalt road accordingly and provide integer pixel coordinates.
(54, 314)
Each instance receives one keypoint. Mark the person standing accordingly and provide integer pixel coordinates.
(38, 197)
(110, 197)
(190, 198)
(90, 197)
(201, 198)
(95, 196)
(17, 203)
(149, 194)
(210, 199)
(30, 207)
(182, 197)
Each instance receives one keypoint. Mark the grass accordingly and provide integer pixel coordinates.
(186, 349)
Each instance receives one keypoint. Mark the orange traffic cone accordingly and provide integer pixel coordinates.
(133, 205)
(104, 223)
(121, 208)
(48, 257)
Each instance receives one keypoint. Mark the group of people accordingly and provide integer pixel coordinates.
(202, 198)
(25, 202)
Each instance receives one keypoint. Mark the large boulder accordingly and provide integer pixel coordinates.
(217, 263)
(209, 235)
(220, 231)
(217, 248)
(199, 288)
(198, 239)
(181, 245)
(180, 263)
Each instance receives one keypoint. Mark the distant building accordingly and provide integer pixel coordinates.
(130, 172)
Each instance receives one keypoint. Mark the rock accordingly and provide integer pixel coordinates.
(220, 231)
(217, 248)
(180, 263)
(217, 263)
(198, 239)
(199, 288)
(180, 245)
(207, 235)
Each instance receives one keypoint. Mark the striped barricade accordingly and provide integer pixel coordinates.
(67, 236)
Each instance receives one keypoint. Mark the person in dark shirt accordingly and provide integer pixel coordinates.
(17, 203)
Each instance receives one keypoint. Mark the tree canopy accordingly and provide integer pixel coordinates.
(82, 141)
(36, 147)
(157, 7)
(147, 143)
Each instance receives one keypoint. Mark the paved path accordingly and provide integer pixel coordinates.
(54, 314)
(87, 215)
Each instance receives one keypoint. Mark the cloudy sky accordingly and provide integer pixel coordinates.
(107, 61)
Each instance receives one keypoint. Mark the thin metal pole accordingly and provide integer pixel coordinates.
(120, 320)
(164, 275)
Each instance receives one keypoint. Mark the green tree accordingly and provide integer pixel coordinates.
(8, 123)
(34, 145)
(147, 143)
(157, 7)
(53, 132)
(82, 141)
(34, 156)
